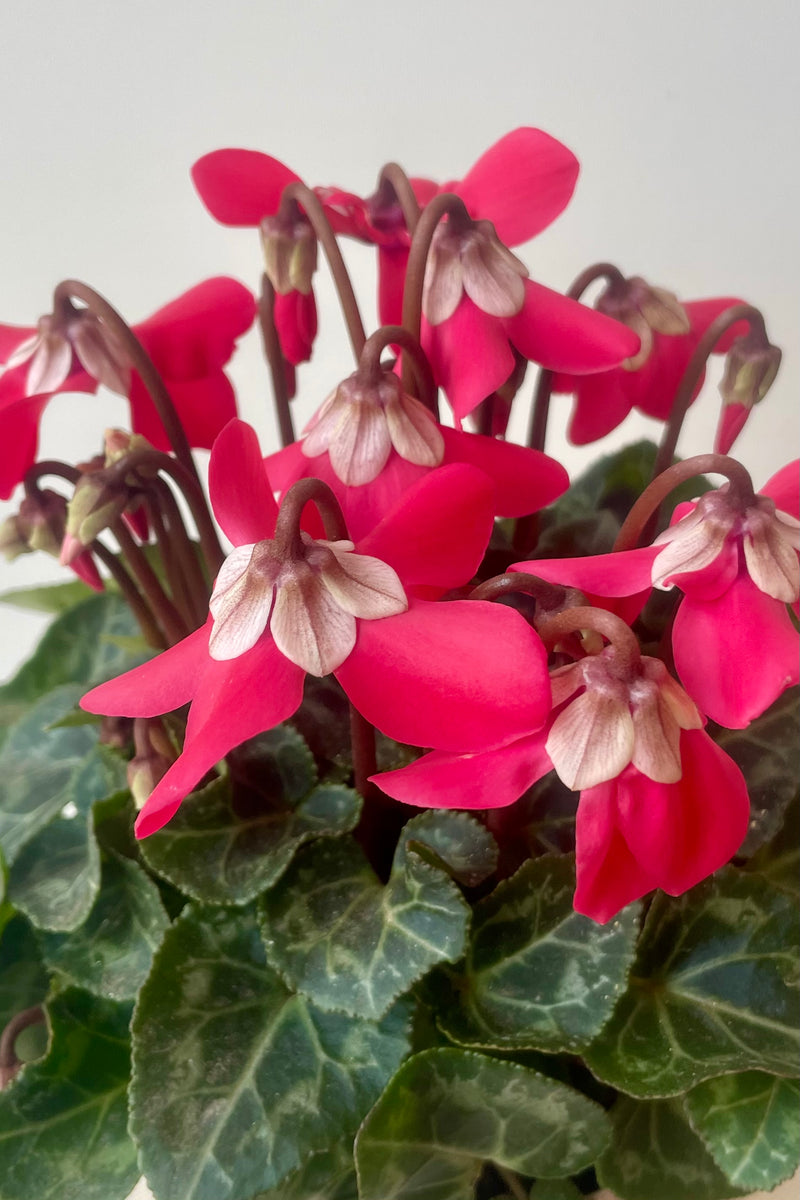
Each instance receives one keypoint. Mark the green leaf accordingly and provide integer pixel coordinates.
(779, 860)
(766, 754)
(48, 597)
(23, 979)
(750, 1124)
(446, 1112)
(50, 779)
(236, 1080)
(216, 855)
(655, 1155)
(329, 1175)
(461, 845)
(63, 1122)
(338, 935)
(555, 1189)
(713, 990)
(79, 647)
(110, 954)
(537, 974)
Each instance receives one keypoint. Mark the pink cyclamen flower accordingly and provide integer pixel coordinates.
(190, 340)
(661, 805)
(371, 442)
(455, 675)
(244, 188)
(649, 381)
(734, 643)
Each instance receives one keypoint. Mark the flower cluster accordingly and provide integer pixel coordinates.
(373, 564)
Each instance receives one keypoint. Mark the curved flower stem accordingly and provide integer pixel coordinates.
(447, 204)
(190, 488)
(393, 176)
(548, 595)
(172, 622)
(275, 360)
(151, 632)
(540, 410)
(9, 1063)
(613, 628)
(653, 496)
(188, 587)
(73, 289)
(49, 466)
(693, 374)
(398, 335)
(287, 528)
(298, 193)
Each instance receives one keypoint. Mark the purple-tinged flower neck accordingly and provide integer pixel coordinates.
(68, 341)
(645, 309)
(290, 251)
(467, 257)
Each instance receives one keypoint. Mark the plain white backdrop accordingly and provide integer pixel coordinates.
(683, 116)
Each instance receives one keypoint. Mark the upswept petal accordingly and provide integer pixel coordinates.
(464, 675)
(19, 435)
(286, 466)
(197, 332)
(784, 489)
(564, 335)
(624, 573)
(240, 491)
(520, 184)
(492, 779)
(681, 832)
(609, 876)
(239, 187)
(204, 405)
(602, 402)
(524, 480)
(12, 337)
(468, 377)
(166, 682)
(732, 420)
(237, 700)
(438, 532)
(364, 586)
(735, 654)
(392, 263)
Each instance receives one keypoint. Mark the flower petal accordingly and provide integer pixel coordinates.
(462, 676)
(624, 573)
(524, 480)
(309, 625)
(238, 700)
(240, 491)
(19, 433)
(166, 682)
(784, 489)
(735, 654)
(609, 876)
(204, 405)
(521, 184)
(438, 532)
(12, 338)
(592, 739)
(239, 187)
(564, 335)
(492, 779)
(197, 332)
(468, 378)
(295, 318)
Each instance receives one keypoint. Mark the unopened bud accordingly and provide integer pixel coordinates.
(290, 254)
(154, 756)
(646, 310)
(13, 543)
(94, 506)
(40, 521)
(117, 443)
(750, 370)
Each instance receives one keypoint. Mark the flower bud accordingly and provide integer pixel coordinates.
(290, 253)
(750, 370)
(153, 758)
(13, 542)
(94, 506)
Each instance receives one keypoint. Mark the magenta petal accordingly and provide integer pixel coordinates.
(286, 466)
(19, 437)
(238, 699)
(492, 779)
(624, 573)
(564, 335)
(240, 491)
(239, 187)
(681, 832)
(602, 402)
(12, 336)
(438, 532)
(463, 675)
(197, 332)
(784, 489)
(732, 420)
(296, 322)
(468, 378)
(164, 683)
(609, 876)
(392, 263)
(524, 480)
(736, 654)
(521, 184)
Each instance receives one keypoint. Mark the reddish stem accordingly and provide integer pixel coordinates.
(275, 361)
(626, 648)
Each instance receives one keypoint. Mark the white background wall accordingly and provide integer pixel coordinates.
(683, 116)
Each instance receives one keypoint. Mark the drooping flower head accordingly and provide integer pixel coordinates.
(189, 340)
(458, 675)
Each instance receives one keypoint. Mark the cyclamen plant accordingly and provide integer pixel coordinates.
(439, 839)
